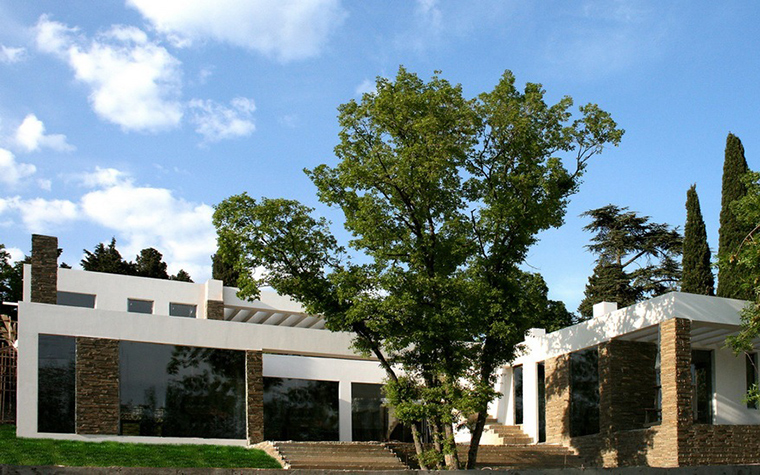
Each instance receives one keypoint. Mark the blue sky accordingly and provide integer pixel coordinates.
(132, 119)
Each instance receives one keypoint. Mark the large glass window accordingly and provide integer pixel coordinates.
(584, 392)
(74, 299)
(139, 306)
(517, 373)
(182, 310)
(300, 409)
(56, 379)
(751, 370)
(369, 419)
(702, 393)
(181, 391)
(541, 377)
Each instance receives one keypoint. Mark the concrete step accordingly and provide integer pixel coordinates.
(338, 456)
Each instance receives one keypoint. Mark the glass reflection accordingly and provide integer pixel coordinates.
(584, 392)
(56, 382)
(181, 391)
(300, 409)
(369, 419)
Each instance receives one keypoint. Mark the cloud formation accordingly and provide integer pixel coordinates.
(10, 55)
(287, 30)
(134, 82)
(11, 171)
(139, 217)
(217, 122)
(31, 137)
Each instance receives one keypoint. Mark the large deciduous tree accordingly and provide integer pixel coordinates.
(444, 195)
(745, 261)
(622, 241)
(697, 272)
(732, 230)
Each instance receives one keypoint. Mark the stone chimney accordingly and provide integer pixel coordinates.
(603, 308)
(44, 269)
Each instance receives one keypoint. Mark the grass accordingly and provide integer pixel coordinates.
(15, 451)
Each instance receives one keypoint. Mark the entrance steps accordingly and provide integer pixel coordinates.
(337, 456)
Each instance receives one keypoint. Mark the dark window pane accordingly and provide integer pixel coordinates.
(369, 419)
(182, 310)
(181, 391)
(300, 409)
(73, 299)
(584, 392)
(139, 306)
(541, 402)
(702, 394)
(751, 370)
(518, 375)
(56, 379)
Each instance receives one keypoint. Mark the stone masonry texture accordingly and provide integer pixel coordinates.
(557, 380)
(44, 269)
(97, 386)
(214, 310)
(255, 396)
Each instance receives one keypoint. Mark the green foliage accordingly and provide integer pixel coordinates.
(224, 270)
(445, 195)
(697, 273)
(732, 230)
(106, 259)
(621, 239)
(181, 276)
(6, 281)
(150, 263)
(48, 452)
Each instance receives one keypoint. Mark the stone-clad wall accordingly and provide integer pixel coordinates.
(255, 396)
(721, 445)
(44, 269)
(97, 386)
(214, 310)
(557, 380)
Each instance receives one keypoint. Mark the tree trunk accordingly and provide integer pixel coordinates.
(472, 453)
(418, 446)
(450, 449)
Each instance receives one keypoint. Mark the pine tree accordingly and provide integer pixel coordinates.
(637, 259)
(106, 259)
(697, 274)
(223, 270)
(150, 263)
(732, 232)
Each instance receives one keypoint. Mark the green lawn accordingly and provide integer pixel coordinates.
(15, 451)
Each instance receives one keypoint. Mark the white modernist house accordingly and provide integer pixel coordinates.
(113, 357)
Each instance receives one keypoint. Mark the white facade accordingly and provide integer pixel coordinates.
(295, 345)
(712, 320)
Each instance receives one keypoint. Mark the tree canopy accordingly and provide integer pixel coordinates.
(444, 195)
(733, 230)
(697, 272)
(636, 258)
(149, 263)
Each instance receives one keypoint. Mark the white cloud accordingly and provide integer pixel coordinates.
(45, 184)
(9, 55)
(11, 171)
(216, 122)
(134, 82)
(286, 29)
(41, 215)
(104, 177)
(139, 217)
(16, 253)
(31, 136)
(366, 87)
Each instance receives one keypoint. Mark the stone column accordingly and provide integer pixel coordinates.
(557, 380)
(97, 386)
(675, 377)
(44, 269)
(254, 377)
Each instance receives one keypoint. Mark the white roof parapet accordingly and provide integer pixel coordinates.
(603, 308)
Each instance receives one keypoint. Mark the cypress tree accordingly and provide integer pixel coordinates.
(732, 232)
(697, 274)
